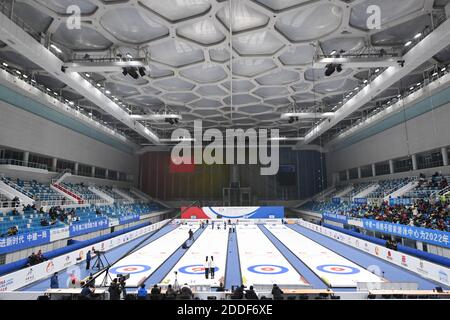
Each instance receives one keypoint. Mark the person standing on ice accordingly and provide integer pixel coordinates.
(212, 267)
(206, 267)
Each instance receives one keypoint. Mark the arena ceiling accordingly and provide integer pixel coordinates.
(231, 64)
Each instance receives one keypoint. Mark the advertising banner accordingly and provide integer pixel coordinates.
(232, 213)
(87, 227)
(24, 240)
(335, 217)
(436, 237)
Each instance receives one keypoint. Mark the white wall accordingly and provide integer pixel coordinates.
(425, 132)
(25, 131)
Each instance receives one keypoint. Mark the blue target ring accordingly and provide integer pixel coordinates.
(337, 269)
(130, 269)
(195, 269)
(261, 268)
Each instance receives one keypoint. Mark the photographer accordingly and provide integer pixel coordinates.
(114, 290)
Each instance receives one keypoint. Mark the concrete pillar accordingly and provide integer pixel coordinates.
(391, 166)
(26, 156)
(117, 175)
(374, 171)
(348, 174)
(76, 168)
(414, 162)
(93, 171)
(444, 156)
(54, 164)
(107, 174)
(359, 172)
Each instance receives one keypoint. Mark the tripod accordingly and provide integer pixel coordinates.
(176, 285)
(99, 264)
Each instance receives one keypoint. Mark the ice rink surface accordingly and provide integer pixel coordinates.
(261, 262)
(142, 263)
(326, 264)
(190, 267)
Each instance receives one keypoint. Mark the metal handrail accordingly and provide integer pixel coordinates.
(21, 163)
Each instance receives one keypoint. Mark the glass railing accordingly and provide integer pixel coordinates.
(21, 163)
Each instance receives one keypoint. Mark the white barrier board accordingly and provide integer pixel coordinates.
(261, 262)
(421, 267)
(21, 278)
(332, 268)
(190, 268)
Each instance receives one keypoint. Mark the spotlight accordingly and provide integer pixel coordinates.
(329, 69)
(339, 68)
(125, 71)
(170, 120)
(401, 63)
(133, 73)
(142, 71)
(63, 69)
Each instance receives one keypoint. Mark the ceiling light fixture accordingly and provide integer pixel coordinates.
(418, 35)
(56, 48)
(142, 71)
(408, 43)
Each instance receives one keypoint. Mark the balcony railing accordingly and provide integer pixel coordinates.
(21, 163)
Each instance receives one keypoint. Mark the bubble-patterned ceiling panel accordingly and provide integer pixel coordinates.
(83, 39)
(174, 10)
(252, 66)
(176, 53)
(389, 11)
(126, 24)
(310, 23)
(298, 55)
(279, 77)
(203, 31)
(401, 33)
(38, 20)
(63, 6)
(195, 63)
(243, 17)
(205, 73)
(260, 42)
(211, 90)
(174, 84)
(278, 5)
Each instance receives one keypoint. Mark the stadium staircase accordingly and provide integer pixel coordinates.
(10, 192)
(366, 191)
(61, 176)
(146, 197)
(123, 195)
(344, 191)
(67, 193)
(108, 198)
(403, 190)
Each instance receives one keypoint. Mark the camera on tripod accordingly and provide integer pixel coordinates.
(123, 277)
